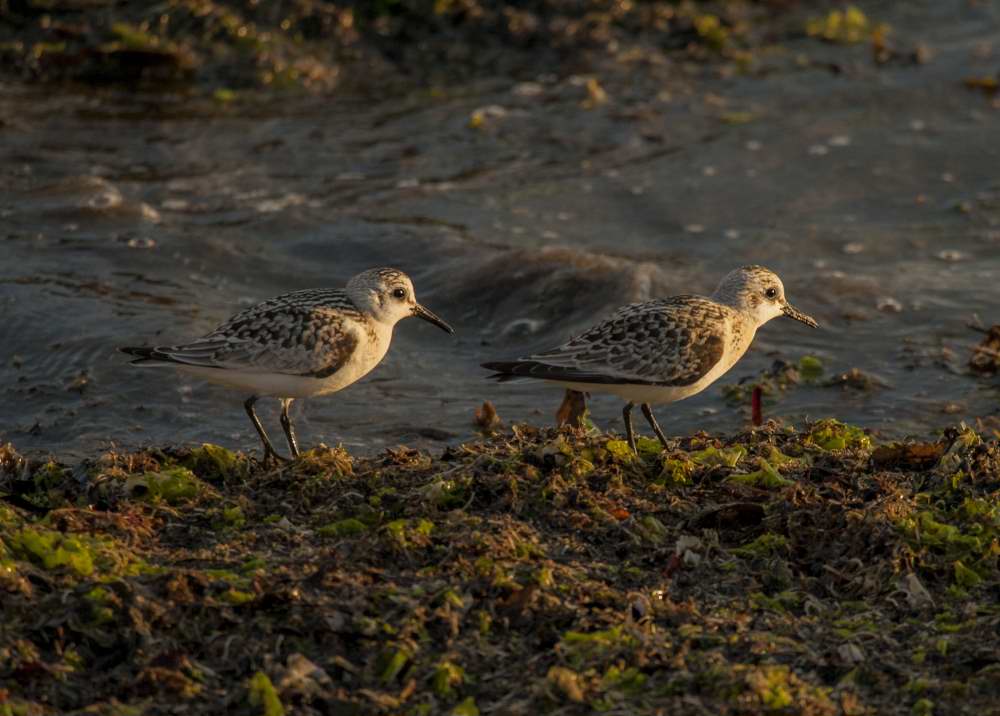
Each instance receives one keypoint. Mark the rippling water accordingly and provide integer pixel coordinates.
(873, 191)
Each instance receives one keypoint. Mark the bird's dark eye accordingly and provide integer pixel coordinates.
(771, 292)
(399, 293)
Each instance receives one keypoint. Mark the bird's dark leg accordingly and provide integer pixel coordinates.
(269, 450)
(286, 425)
(648, 412)
(629, 433)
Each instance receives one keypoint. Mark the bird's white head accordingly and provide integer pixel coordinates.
(759, 292)
(387, 295)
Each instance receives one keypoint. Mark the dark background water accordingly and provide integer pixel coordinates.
(523, 213)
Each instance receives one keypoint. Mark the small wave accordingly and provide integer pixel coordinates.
(83, 197)
(521, 294)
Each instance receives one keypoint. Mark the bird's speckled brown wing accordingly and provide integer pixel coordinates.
(308, 333)
(669, 342)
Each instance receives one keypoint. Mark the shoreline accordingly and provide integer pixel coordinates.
(226, 48)
(534, 571)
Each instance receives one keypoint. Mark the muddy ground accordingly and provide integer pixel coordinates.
(782, 571)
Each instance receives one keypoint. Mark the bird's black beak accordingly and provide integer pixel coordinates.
(429, 316)
(792, 312)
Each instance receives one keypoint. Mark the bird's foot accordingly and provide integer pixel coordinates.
(273, 458)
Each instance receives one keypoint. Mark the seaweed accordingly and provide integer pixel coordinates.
(230, 47)
(530, 571)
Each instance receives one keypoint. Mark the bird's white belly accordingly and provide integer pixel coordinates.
(652, 394)
(278, 385)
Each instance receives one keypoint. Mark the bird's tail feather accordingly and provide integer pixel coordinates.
(147, 356)
(507, 372)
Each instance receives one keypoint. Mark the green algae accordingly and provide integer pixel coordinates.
(391, 664)
(779, 459)
(768, 544)
(690, 631)
(711, 30)
(13, 706)
(648, 447)
(833, 435)
(102, 604)
(409, 533)
(466, 707)
(627, 679)
(848, 26)
(956, 534)
(254, 564)
(445, 494)
(766, 477)
(719, 457)
(48, 476)
(771, 686)
(9, 516)
(236, 597)
(225, 95)
(739, 117)
(581, 647)
(54, 550)
(133, 37)
(651, 529)
(777, 689)
(676, 470)
(263, 696)
(620, 451)
(781, 602)
(448, 676)
(40, 49)
(349, 527)
(172, 485)
(232, 517)
(810, 368)
(215, 463)
(966, 577)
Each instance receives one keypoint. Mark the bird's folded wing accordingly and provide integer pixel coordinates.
(669, 342)
(289, 340)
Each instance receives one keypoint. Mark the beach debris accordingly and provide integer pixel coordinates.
(987, 84)
(856, 379)
(985, 358)
(888, 304)
(573, 409)
(486, 418)
(756, 412)
(849, 26)
(773, 381)
(907, 456)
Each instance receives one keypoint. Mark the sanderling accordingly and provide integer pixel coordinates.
(299, 344)
(664, 350)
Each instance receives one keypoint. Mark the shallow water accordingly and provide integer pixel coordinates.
(872, 191)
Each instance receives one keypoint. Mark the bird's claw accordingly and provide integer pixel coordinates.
(271, 456)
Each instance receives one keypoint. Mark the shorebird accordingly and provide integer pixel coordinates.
(664, 350)
(300, 344)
